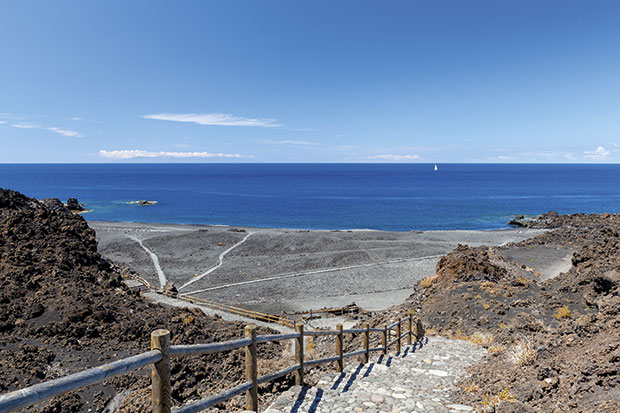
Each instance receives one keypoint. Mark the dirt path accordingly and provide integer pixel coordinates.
(313, 272)
(160, 273)
(221, 261)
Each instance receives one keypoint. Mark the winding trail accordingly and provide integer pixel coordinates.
(301, 274)
(221, 261)
(160, 273)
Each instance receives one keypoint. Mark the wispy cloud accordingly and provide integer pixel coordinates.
(598, 153)
(136, 153)
(76, 118)
(218, 119)
(412, 157)
(64, 132)
(2, 121)
(25, 126)
(290, 142)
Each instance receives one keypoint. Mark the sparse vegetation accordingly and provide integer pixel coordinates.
(426, 282)
(496, 349)
(522, 353)
(563, 312)
(503, 396)
(486, 306)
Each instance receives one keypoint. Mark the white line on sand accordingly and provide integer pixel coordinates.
(300, 274)
(160, 273)
(221, 261)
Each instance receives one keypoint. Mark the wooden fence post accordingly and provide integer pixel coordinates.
(339, 348)
(384, 340)
(419, 330)
(160, 372)
(251, 369)
(366, 342)
(299, 355)
(410, 327)
(398, 330)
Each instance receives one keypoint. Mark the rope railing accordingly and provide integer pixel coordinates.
(161, 351)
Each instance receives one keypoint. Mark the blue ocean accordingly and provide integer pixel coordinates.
(397, 197)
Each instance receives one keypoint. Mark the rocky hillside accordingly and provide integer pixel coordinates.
(63, 309)
(554, 345)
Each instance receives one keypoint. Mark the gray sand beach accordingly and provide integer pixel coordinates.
(274, 270)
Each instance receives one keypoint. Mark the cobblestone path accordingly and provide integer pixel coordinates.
(419, 379)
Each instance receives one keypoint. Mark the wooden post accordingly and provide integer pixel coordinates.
(384, 340)
(339, 348)
(251, 369)
(160, 372)
(398, 335)
(419, 330)
(299, 355)
(366, 341)
(410, 327)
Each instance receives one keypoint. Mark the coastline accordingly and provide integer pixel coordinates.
(283, 269)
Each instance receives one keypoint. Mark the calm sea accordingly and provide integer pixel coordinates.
(324, 196)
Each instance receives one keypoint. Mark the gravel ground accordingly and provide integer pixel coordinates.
(278, 270)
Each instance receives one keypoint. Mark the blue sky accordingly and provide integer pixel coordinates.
(315, 81)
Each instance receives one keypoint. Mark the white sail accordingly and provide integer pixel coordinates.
(435, 166)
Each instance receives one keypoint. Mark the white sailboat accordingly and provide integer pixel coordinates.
(435, 166)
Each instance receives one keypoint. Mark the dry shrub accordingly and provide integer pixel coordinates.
(482, 339)
(496, 349)
(426, 282)
(522, 353)
(563, 312)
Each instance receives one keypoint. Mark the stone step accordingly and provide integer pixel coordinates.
(419, 379)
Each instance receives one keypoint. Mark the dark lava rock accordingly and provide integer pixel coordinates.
(74, 205)
(64, 309)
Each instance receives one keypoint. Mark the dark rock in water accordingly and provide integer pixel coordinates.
(54, 204)
(74, 205)
(519, 217)
(516, 223)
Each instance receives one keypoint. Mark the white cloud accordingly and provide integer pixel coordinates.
(598, 153)
(395, 157)
(219, 119)
(136, 153)
(290, 142)
(76, 118)
(2, 121)
(65, 132)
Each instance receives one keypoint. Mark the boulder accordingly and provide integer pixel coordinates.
(74, 205)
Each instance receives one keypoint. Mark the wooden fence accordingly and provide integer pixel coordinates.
(161, 352)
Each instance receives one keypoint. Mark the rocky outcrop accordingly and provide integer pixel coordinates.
(469, 264)
(63, 308)
(74, 205)
(551, 343)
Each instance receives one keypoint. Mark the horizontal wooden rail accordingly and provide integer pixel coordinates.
(201, 405)
(353, 353)
(269, 377)
(276, 337)
(391, 343)
(321, 333)
(43, 391)
(159, 359)
(316, 362)
(354, 330)
(197, 349)
(391, 326)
